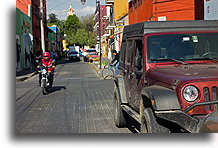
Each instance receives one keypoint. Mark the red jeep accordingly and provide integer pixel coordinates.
(168, 78)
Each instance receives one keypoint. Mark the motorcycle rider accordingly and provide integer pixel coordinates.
(47, 61)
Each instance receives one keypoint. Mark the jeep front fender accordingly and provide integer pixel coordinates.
(162, 98)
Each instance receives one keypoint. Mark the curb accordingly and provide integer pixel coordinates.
(23, 78)
(97, 70)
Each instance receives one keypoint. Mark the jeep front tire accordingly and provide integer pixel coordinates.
(148, 122)
(119, 116)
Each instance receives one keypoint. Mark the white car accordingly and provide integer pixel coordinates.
(73, 55)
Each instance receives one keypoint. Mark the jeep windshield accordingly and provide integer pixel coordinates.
(182, 47)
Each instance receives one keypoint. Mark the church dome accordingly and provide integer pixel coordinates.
(70, 11)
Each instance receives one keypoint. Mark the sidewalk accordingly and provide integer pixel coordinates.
(96, 66)
(25, 74)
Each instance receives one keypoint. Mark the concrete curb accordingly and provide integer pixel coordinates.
(25, 77)
(98, 71)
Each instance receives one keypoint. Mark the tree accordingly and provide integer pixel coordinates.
(60, 25)
(71, 39)
(87, 23)
(71, 24)
(81, 37)
(52, 18)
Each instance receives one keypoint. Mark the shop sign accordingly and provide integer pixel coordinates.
(119, 24)
(162, 18)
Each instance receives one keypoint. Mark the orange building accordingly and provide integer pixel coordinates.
(165, 10)
(24, 5)
(120, 9)
(120, 19)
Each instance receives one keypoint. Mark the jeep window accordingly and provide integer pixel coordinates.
(129, 51)
(122, 52)
(182, 47)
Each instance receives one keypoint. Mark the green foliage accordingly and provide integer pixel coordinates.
(52, 18)
(103, 63)
(81, 37)
(78, 31)
(71, 24)
(87, 23)
(71, 40)
(60, 25)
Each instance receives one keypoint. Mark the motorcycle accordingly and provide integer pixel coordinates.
(46, 78)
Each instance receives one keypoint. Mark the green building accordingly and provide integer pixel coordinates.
(24, 39)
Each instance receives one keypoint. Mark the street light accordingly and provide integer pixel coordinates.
(83, 2)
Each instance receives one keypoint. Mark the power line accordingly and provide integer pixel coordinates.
(58, 5)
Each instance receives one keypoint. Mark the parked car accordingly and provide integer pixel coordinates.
(73, 55)
(93, 56)
(168, 79)
(86, 53)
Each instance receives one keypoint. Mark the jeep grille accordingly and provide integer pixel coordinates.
(210, 94)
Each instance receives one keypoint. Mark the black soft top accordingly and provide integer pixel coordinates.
(143, 28)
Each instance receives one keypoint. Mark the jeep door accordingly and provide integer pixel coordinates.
(135, 73)
(126, 54)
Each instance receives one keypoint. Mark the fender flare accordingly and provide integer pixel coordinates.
(161, 98)
(119, 82)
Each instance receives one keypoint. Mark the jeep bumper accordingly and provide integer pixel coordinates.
(196, 124)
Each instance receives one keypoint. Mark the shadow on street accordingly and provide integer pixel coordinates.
(57, 88)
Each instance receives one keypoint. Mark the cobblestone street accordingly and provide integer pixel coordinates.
(79, 102)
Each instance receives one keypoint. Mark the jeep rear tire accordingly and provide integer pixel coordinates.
(119, 116)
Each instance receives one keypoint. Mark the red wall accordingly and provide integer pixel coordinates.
(150, 10)
(22, 5)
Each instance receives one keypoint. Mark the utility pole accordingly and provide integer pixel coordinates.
(42, 26)
(99, 19)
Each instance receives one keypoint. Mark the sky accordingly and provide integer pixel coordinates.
(60, 7)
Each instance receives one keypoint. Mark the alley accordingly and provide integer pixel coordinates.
(79, 102)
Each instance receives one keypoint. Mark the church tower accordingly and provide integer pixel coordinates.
(70, 11)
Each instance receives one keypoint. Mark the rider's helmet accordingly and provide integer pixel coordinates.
(46, 55)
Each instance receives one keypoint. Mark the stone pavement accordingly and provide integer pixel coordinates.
(79, 102)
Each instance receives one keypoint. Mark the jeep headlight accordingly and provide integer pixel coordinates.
(190, 93)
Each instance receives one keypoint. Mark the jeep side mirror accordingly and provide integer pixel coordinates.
(138, 62)
(138, 65)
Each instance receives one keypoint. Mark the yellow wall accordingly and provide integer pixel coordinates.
(120, 9)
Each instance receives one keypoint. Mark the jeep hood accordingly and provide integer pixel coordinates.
(168, 74)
